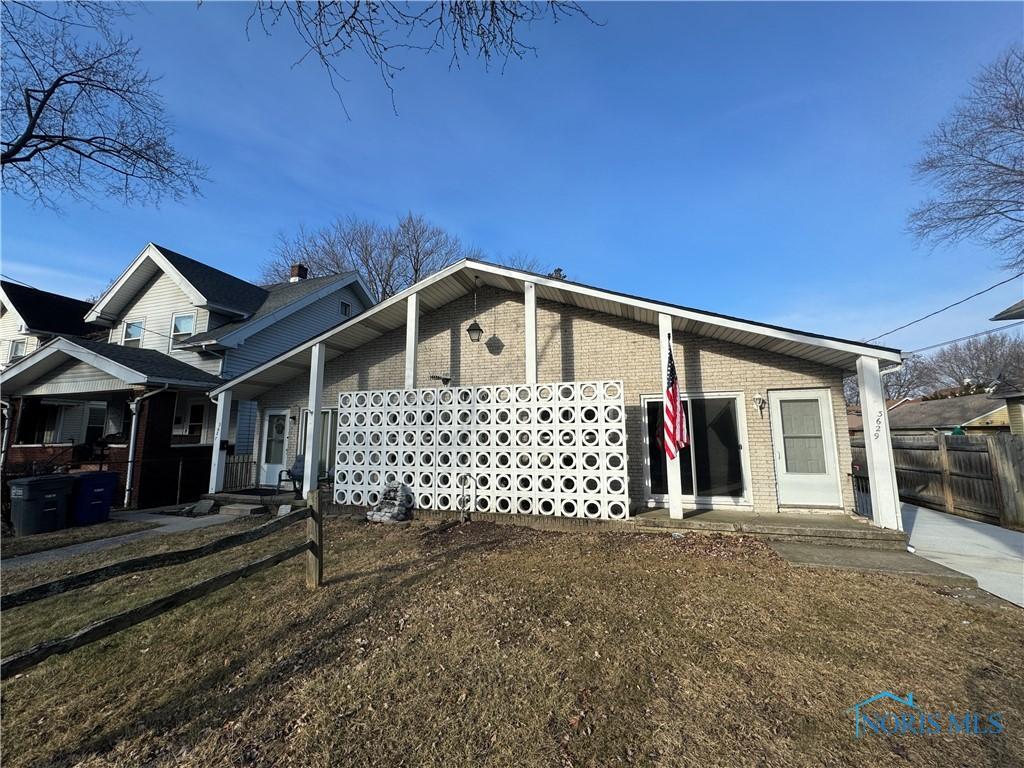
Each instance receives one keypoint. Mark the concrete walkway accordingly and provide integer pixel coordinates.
(994, 556)
(167, 524)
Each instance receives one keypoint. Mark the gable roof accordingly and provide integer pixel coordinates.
(281, 300)
(463, 276)
(205, 286)
(945, 413)
(1012, 312)
(132, 365)
(46, 312)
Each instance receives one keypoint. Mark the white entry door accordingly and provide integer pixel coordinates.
(275, 445)
(805, 447)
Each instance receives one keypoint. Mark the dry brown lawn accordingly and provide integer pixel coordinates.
(501, 646)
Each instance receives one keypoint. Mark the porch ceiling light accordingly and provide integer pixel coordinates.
(475, 331)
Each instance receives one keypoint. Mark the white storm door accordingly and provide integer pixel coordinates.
(274, 450)
(805, 447)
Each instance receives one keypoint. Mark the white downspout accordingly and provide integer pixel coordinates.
(134, 406)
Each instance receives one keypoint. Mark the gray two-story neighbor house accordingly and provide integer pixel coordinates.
(175, 328)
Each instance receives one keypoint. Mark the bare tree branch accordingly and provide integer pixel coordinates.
(976, 160)
(330, 29)
(80, 115)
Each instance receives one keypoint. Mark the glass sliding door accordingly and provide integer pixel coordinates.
(712, 468)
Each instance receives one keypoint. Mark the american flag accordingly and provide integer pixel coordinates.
(675, 417)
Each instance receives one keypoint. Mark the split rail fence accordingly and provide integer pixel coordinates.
(976, 476)
(97, 630)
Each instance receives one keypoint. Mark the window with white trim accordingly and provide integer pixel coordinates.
(131, 335)
(17, 350)
(183, 325)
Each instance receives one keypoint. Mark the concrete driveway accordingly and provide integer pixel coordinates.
(994, 556)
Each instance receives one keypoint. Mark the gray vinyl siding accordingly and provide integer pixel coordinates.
(286, 333)
(10, 323)
(73, 377)
(290, 331)
(155, 305)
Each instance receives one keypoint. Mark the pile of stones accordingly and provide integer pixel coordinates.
(395, 505)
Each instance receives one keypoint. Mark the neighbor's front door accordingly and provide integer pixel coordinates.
(805, 447)
(275, 445)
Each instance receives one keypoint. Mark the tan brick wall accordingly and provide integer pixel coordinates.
(577, 345)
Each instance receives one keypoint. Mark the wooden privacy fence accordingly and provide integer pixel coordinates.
(975, 476)
(312, 547)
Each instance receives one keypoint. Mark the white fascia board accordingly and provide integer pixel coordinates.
(514, 274)
(237, 336)
(11, 308)
(149, 252)
(326, 335)
(690, 314)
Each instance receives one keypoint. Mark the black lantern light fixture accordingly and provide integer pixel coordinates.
(474, 330)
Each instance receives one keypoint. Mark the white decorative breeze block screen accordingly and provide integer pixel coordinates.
(541, 449)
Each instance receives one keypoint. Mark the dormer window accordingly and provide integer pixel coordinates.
(17, 350)
(183, 325)
(346, 309)
(133, 333)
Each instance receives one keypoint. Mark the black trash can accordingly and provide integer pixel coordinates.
(40, 504)
(92, 497)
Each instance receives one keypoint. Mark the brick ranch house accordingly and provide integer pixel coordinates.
(512, 351)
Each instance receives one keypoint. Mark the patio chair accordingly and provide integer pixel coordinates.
(294, 475)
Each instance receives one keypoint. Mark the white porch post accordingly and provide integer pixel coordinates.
(531, 332)
(412, 335)
(885, 498)
(311, 466)
(221, 428)
(675, 483)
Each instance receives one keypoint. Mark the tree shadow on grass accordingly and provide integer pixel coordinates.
(387, 586)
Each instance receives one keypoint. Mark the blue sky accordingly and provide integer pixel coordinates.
(747, 159)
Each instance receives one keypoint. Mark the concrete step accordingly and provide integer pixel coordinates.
(242, 510)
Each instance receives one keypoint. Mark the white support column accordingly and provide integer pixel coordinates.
(531, 332)
(885, 497)
(311, 465)
(221, 427)
(675, 483)
(412, 335)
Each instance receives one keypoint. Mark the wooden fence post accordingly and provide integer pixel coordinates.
(1006, 453)
(315, 539)
(947, 481)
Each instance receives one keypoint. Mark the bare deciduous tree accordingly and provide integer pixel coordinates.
(976, 160)
(389, 258)
(913, 379)
(485, 29)
(975, 364)
(80, 115)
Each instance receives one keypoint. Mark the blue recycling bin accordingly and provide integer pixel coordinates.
(92, 497)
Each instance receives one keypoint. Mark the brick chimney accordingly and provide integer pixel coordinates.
(299, 272)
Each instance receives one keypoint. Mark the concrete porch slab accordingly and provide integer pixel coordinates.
(844, 530)
(805, 555)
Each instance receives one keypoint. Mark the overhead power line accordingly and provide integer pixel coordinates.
(965, 338)
(950, 306)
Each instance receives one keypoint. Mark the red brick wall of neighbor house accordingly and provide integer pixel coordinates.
(575, 344)
(159, 467)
